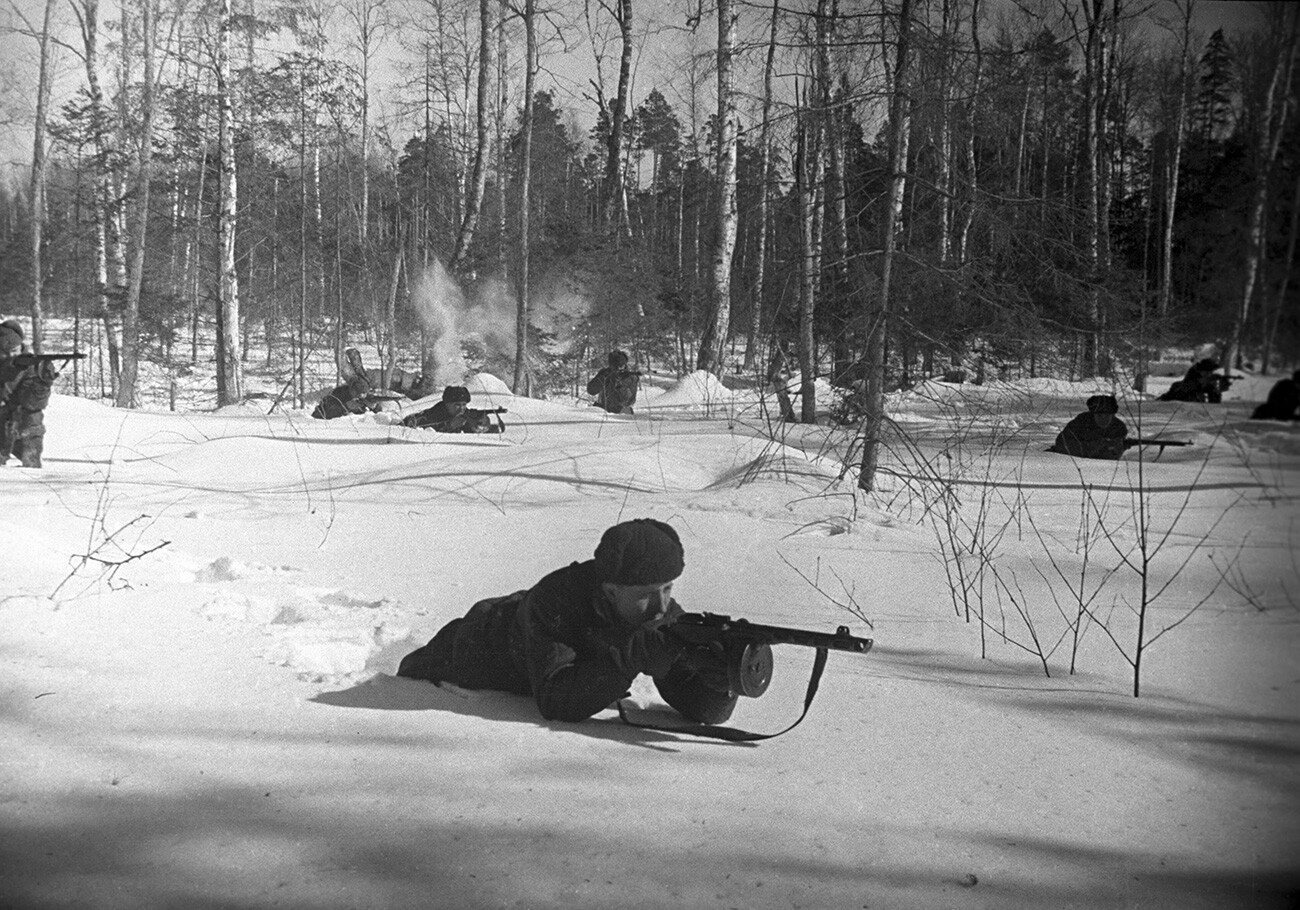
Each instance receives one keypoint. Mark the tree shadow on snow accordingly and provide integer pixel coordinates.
(390, 693)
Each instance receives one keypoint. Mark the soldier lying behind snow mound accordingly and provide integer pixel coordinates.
(24, 392)
(454, 415)
(350, 397)
(577, 639)
(1096, 433)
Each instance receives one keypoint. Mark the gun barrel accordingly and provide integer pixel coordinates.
(1138, 441)
(48, 358)
(700, 628)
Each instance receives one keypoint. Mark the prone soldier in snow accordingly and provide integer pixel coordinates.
(454, 415)
(1096, 433)
(577, 639)
(352, 397)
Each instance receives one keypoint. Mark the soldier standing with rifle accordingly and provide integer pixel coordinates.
(26, 380)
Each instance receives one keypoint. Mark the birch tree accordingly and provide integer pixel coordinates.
(615, 209)
(1271, 120)
(519, 385)
(1174, 161)
(875, 361)
(230, 382)
(713, 344)
(482, 145)
(126, 391)
(765, 175)
(37, 184)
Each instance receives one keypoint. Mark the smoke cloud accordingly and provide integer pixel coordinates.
(452, 317)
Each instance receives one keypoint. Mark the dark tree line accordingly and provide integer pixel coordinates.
(915, 187)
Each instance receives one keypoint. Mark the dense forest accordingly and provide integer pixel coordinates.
(870, 192)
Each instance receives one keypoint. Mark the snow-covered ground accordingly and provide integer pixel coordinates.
(202, 613)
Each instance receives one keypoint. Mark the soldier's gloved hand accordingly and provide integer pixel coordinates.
(46, 373)
(648, 651)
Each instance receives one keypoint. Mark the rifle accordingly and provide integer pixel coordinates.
(1132, 441)
(747, 648)
(30, 360)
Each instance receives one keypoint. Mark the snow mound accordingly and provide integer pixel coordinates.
(486, 384)
(243, 409)
(698, 388)
(223, 568)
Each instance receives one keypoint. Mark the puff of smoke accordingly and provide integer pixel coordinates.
(451, 316)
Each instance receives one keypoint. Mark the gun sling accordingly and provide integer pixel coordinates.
(731, 734)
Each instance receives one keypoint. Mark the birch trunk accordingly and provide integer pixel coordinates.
(765, 174)
(1172, 171)
(126, 397)
(898, 116)
(44, 77)
(713, 344)
(525, 185)
(478, 181)
(616, 216)
(1272, 124)
(88, 19)
(230, 387)
(809, 170)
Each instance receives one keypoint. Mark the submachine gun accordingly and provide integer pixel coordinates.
(747, 649)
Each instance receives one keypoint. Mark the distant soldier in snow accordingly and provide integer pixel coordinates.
(615, 386)
(454, 415)
(402, 383)
(1283, 401)
(24, 392)
(577, 639)
(351, 396)
(1096, 433)
(1203, 383)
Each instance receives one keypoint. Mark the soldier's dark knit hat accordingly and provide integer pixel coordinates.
(455, 393)
(1103, 404)
(640, 552)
